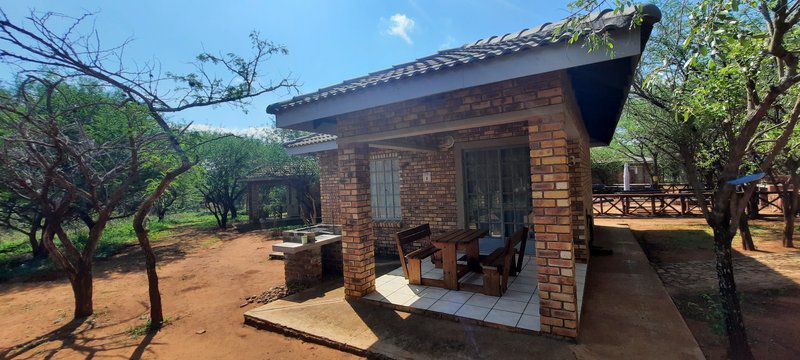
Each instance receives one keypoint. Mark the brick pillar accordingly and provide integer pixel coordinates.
(552, 218)
(579, 173)
(358, 249)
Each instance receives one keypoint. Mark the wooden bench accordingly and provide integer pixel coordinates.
(498, 265)
(412, 261)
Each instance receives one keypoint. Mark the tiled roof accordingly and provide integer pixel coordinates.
(296, 168)
(480, 50)
(309, 140)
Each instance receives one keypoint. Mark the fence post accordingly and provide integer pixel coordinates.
(753, 204)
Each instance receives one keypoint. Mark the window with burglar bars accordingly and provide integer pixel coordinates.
(384, 175)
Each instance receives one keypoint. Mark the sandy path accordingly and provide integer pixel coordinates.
(202, 289)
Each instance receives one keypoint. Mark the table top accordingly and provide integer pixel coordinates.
(459, 236)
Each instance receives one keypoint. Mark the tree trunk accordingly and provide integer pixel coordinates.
(82, 289)
(37, 245)
(37, 248)
(223, 219)
(156, 308)
(790, 211)
(734, 322)
(744, 232)
(788, 221)
(154, 294)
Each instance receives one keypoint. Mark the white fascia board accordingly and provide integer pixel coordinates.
(535, 61)
(311, 148)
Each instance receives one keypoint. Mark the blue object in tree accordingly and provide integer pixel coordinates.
(747, 178)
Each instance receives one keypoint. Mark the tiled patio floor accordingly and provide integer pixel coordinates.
(517, 308)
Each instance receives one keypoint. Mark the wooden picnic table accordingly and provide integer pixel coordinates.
(455, 240)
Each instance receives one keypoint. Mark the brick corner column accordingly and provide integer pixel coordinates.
(552, 219)
(580, 187)
(358, 249)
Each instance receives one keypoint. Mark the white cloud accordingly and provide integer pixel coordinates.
(401, 25)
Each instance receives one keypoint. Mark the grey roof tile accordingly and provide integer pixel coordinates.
(479, 50)
(309, 140)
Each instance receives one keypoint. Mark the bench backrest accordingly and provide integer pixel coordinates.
(408, 236)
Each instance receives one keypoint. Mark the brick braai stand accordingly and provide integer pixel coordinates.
(304, 266)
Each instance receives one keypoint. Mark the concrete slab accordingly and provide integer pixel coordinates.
(325, 317)
(627, 313)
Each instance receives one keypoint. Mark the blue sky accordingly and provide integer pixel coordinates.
(328, 41)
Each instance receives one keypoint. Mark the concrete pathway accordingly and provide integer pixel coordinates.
(626, 314)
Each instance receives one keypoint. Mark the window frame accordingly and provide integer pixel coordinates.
(384, 174)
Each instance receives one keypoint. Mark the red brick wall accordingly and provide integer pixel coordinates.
(433, 202)
(329, 186)
(505, 96)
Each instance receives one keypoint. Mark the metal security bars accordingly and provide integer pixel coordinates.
(384, 175)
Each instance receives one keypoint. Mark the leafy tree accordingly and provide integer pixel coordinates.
(36, 46)
(224, 165)
(22, 215)
(721, 83)
(70, 148)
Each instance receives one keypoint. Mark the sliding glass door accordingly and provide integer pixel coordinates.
(497, 186)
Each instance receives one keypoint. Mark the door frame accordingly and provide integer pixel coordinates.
(458, 153)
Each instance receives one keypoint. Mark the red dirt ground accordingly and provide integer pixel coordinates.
(768, 279)
(204, 279)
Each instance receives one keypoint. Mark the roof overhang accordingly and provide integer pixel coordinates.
(317, 116)
(311, 148)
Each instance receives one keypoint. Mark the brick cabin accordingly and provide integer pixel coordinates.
(494, 134)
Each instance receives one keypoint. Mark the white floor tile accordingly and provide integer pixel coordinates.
(532, 309)
(445, 307)
(525, 280)
(503, 317)
(385, 279)
(388, 288)
(417, 288)
(457, 296)
(408, 290)
(482, 300)
(374, 296)
(398, 280)
(527, 275)
(419, 302)
(433, 293)
(427, 265)
(472, 278)
(530, 322)
(434, 274)
(399, 297)
(528, 288)
(472, 312)
(523, 296)
(397, 272)
(510, 305)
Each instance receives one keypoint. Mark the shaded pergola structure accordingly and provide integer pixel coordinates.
(300, 201)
